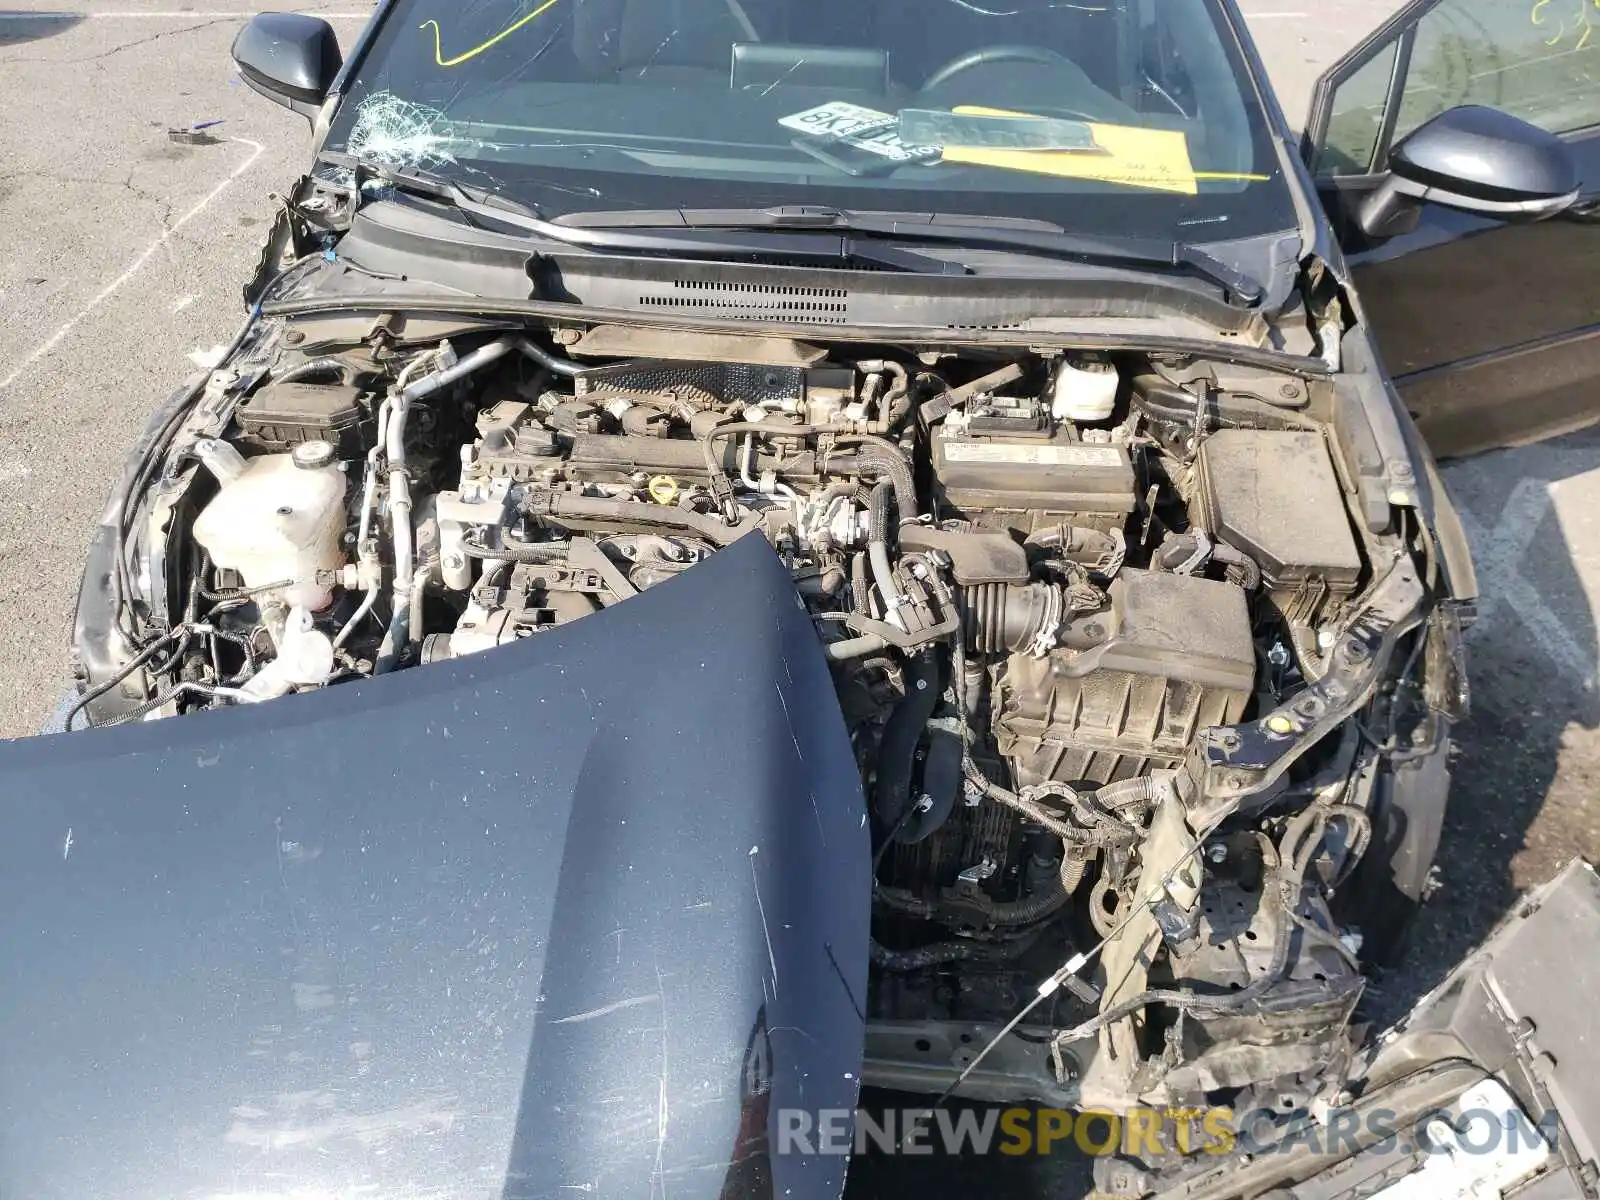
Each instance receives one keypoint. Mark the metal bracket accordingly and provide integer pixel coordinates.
(1230, 762)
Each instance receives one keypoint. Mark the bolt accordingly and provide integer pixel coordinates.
(1289, 391)
(567, 337)
(1228, 740)
(293, 337)
(1217, 853)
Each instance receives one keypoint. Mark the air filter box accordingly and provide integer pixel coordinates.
(1274, 495)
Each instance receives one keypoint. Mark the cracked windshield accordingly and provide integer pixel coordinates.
(1129, 116)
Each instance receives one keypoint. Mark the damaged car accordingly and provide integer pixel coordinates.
(745, 550)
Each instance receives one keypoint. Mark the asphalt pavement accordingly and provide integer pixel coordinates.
(122, 253)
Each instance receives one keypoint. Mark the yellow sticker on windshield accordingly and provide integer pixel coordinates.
(438, 51)
(1147, 158)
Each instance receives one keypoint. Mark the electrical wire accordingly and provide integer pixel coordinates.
(1052, 983)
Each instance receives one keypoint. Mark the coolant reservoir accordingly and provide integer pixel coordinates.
(1084, 390)
(276, 517)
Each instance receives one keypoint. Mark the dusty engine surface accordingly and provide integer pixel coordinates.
(1037, 586)
(1169, 656)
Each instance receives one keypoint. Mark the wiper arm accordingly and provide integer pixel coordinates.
(823, 248)
(969, 229)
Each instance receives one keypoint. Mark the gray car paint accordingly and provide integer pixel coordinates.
(574, 916)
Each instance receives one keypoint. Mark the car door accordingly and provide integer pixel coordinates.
(1491, 328)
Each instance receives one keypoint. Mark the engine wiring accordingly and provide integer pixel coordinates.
(1035, 602)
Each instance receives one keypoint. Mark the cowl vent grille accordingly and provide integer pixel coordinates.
(751, 301)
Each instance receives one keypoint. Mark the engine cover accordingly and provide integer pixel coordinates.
(1171, 657)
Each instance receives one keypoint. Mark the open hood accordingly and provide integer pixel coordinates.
(572, 917)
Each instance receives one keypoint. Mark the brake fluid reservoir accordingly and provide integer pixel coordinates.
(1084, 390)
(276, 517)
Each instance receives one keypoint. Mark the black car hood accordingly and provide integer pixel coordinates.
(572, 918)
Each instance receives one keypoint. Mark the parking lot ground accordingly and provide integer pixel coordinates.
(122, 252)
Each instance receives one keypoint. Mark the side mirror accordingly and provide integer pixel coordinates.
(289, 58)
(1477, 160)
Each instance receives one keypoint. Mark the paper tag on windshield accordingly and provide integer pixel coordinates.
(865, 128)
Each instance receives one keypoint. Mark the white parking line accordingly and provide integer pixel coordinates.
(134, 267)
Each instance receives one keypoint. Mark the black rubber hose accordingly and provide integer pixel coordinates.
(1046, 902)
(878, 512)
(940, 953)
(885, 455)
(860, 588)
(316, 366)
(902, 732)
(935, 955)
(905, 902)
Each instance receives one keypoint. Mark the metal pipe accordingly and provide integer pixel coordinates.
(551, 362)
(399, 632)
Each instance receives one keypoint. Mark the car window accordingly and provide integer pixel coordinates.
(1146, 119)
(1536, 59)
(1357, 119)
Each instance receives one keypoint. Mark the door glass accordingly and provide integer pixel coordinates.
(1536, 59)
(1357, 117)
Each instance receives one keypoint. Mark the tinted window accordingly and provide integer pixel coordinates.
(1357, 119)
(1148, 122)
(1536, 59)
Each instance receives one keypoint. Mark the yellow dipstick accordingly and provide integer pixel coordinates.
(663, 490)
(438, 52)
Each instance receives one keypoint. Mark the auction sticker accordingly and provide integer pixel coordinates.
(866, 128)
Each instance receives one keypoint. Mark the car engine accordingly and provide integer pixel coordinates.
(1116, 651)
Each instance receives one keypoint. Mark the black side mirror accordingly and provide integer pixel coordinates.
(289, 58)
(1478, 160)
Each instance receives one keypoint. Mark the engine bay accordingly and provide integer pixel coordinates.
(1118, 656)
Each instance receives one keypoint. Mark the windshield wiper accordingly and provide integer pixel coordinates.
(826, 247)
(1040, 237)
